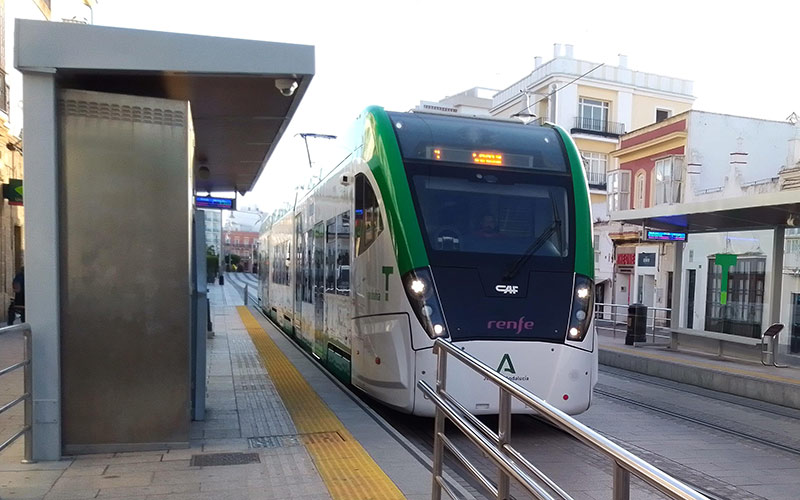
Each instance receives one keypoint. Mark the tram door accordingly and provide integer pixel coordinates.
(794, 346)
(319, 288)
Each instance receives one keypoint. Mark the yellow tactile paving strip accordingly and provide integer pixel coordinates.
(709, 366)
(348, 471)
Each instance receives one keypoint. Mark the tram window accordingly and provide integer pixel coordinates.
(368, 214)
(462, 215)
(343, 254)
(308, 296)
(286, 263)
(298, 268)
(330, 256)
(280, 264)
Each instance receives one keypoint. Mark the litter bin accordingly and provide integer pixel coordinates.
(637, 324)
(221, 279)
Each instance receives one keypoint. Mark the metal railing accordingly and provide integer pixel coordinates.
(614, 318)
(596, 178)
(598, 126)
(26, 398)
(510, 462)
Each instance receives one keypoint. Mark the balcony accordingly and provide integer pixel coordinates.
(596, 178)
(4, 91)
(605, 128)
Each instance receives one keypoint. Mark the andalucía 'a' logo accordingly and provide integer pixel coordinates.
(503, 368)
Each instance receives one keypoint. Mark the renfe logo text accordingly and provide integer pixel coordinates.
(518, 325)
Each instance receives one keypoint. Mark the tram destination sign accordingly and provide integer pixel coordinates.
(214, 202)
(651, 235)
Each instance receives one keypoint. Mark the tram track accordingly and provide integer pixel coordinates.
(417, 433)
(677, 415)
(741, 401)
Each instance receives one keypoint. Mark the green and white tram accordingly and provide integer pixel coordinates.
(474, 230)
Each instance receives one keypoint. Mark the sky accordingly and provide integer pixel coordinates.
(741, 56)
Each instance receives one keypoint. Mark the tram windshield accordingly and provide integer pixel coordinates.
(479, 213)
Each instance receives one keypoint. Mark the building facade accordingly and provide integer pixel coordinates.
(476, 101)
(243, 244)
(12, 214)
(214, 230)
(240, 236)
(716, 161)
(598, 104)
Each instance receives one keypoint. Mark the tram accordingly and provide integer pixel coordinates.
(477, 231)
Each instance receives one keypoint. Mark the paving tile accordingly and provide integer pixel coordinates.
(105, 481)
(71, 494)
(163, 489)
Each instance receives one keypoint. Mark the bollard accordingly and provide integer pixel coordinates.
(245, 294)
(637, 324)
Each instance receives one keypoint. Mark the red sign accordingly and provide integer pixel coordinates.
(626, 259)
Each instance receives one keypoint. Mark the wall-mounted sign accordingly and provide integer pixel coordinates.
(214, 202)
(647, 259)
(13, 192)
(626, 259)
(725, 261)
(651, 235)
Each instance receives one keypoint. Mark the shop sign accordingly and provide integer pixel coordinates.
(725, 261)
(647, 259)
(626, 259)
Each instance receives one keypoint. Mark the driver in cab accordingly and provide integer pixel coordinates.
(488, 227)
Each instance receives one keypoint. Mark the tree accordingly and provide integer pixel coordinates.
(212, 263)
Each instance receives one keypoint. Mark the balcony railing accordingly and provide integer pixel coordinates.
(4, 97)
(600, 127)
(596, 178)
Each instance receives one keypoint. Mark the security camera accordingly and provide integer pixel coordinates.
(287, 86)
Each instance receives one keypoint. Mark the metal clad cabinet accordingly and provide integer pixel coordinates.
(125, 236)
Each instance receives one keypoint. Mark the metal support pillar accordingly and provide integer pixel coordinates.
(504, 435)
(777, 276)
(677, 286)
(622, 483)
(42, 258)
(439, 423)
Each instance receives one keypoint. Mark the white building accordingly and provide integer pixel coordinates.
(731, 182)
(214, 229)
(475, 102)
(596, 103)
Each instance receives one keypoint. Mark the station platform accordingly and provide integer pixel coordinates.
(729, 375)
(276, 427)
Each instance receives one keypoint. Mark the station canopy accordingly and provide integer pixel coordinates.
(238, 112)
(760, 211)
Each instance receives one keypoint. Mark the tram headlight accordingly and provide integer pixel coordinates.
(424, 301)
(582, 308)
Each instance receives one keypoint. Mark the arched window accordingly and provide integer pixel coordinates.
(641, 188)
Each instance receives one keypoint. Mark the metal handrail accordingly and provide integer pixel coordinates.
(509, 461)
(26, 364)
(651, 321)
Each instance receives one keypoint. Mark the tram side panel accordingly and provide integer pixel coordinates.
(280, 291)
(383, 364)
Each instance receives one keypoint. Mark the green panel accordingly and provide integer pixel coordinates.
(382, 154)
(338, 365)
(584, 254)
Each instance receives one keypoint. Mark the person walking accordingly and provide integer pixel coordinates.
(18, 303)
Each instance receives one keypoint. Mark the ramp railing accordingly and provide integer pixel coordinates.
(26, 397)
(511, 464)
(614, 318)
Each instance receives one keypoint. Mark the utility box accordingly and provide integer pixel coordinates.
(125, 244)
